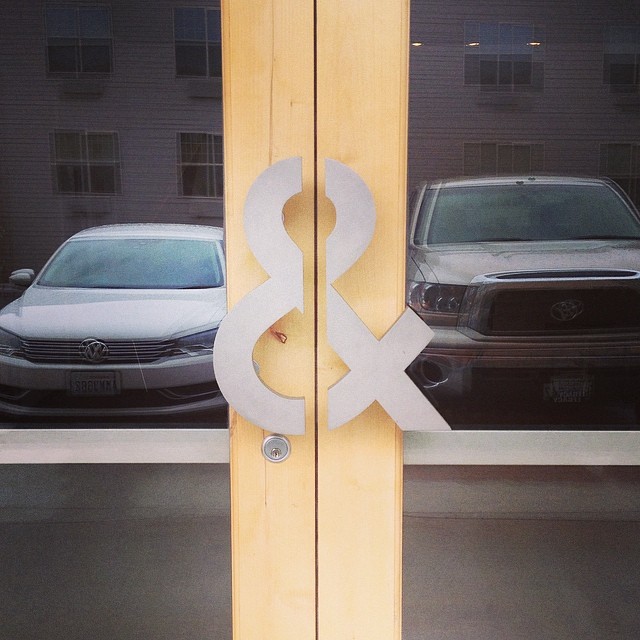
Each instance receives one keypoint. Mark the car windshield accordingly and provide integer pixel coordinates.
(136, 263)
(524, 212)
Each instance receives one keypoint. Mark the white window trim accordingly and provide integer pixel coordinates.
(207, 446)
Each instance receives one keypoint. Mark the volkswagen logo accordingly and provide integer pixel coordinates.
(567, 310)
(93, 350)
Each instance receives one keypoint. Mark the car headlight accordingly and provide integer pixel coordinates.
(195, 344)
(426, 297)
(10, 344)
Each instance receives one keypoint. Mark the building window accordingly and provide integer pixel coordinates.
(504, 56)
(622, 58)
(621, 162)
(198, 42)
(78, 39)
(86, 162)
(200, 169)
(491, 159)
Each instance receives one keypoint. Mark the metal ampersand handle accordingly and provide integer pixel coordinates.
(376, 367)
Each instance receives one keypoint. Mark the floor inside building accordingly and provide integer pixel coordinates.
(142, 551)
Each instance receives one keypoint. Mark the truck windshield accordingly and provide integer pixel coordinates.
(524, 212)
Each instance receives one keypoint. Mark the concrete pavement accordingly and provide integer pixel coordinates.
(142, 552)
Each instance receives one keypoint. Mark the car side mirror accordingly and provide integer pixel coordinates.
(22, 277)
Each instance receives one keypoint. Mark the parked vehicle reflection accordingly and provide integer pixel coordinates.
(532, 287)
(120, 322)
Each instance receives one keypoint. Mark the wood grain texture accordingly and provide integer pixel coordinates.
(269, 116)
(362, 63)
(341, 488)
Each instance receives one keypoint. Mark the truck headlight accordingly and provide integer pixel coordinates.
(426, 297)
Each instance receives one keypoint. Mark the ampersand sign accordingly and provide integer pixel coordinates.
(376, 367)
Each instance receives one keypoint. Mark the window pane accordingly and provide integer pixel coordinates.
(61, 22)
(217, 149)
(622, 58)
(69, 146)
(505, 35)
(505, 71)
(522, 37)
(70, 178)
(489, 36)
(194, 180)
(219, 181)
(505, 158)
(194, 147)
(620, 69)
(96, 58)
(488, 160)
(488, 72)
(103, 179)
(522, 72)
(215, 60)
(213, 26)
(191, 60)
(100, 146)
(94, 23)
(471, 159)
(62, 57)
(521, 158)
(190, 24)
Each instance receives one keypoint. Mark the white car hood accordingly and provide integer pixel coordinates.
(68, 314)
(459, 264)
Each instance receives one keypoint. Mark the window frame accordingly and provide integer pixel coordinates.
(488, 65)
(536, 156)
(84, 166)
(78, 42)
(626, 49)
(212, 46)
(213, 165)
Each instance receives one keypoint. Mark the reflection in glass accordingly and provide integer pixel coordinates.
(198, 42)
(78, 39)
(530, 283)
(121, 322)
(113, 116)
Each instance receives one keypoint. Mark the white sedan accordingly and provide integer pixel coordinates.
(120, 322)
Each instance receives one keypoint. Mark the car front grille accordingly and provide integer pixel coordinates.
(118, 351)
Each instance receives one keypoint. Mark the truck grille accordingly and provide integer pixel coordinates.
(564, 311)
(119, 351)
(556, 303)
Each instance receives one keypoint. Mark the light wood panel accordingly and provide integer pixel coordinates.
(362, 57)
(341, 527)
(269, 116)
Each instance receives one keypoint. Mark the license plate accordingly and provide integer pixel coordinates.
(104, 383)
(568, 389)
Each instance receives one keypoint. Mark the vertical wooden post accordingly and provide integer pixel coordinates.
(362, 71)
(316, 540)
(268, 57)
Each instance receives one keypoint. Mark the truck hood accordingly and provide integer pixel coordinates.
(460, 263)
(117, 314)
